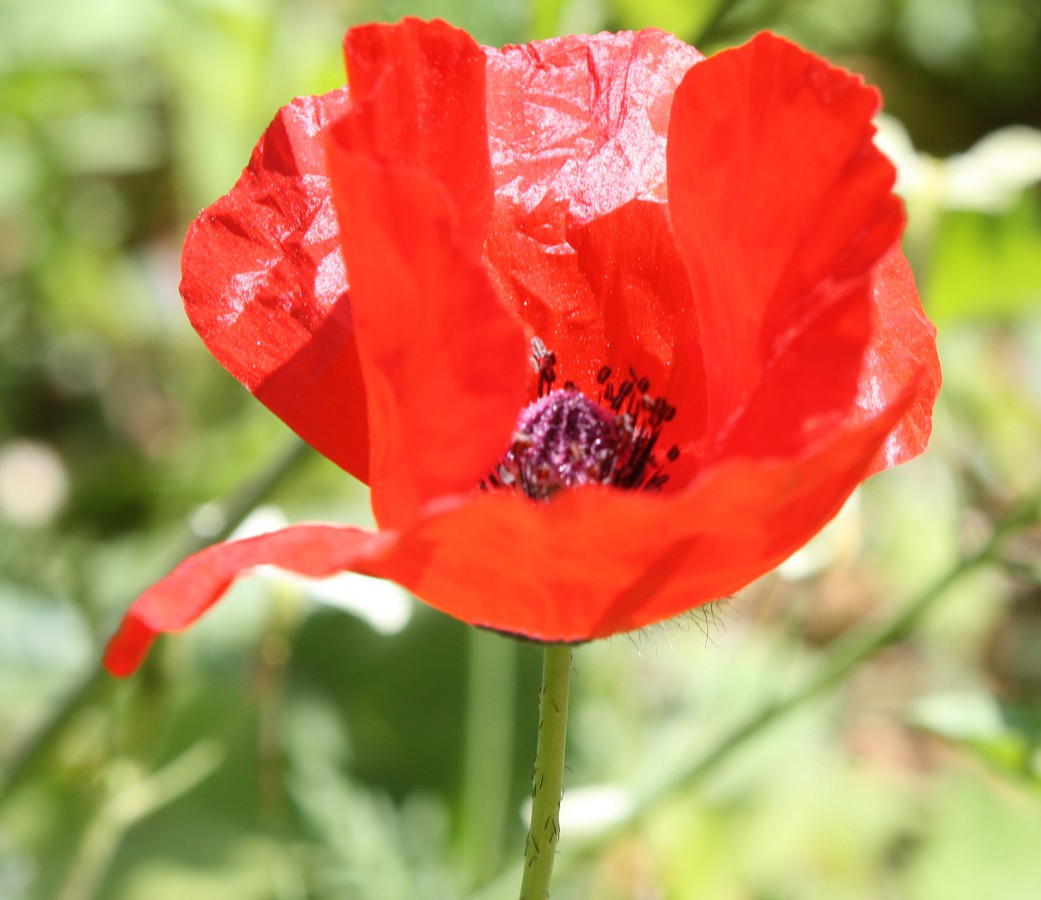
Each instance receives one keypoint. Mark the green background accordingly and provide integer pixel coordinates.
(285, 748)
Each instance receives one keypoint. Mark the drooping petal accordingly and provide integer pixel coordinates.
(201, 580)
(263, 283)
(781, 206)
(578, 128)
(445, 364)
(903, 347)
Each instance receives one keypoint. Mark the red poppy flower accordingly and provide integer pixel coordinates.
(624, 326)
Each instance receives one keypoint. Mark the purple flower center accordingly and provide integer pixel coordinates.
(564, 439)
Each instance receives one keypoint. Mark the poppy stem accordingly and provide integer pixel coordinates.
(547, 777)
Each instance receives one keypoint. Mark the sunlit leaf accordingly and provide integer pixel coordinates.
(987, 265)
(1006, 736)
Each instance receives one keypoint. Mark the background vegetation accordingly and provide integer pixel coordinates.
(863, 724)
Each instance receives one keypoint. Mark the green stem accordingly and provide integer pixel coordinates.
(488, 755)
(125, 806)
(844, 660)
(547, 779)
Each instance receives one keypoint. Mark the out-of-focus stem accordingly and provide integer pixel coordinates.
(488, 755)
(125, 806)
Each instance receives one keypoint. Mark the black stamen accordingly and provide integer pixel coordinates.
(545, 364)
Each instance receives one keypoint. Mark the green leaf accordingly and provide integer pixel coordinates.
(987, 265)
(1007, 736)
(685, 18)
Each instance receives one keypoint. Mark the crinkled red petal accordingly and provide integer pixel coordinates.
(201, 580)
(902, 348)
(781, 206)
(445, 363)
(577, 127)
(264, 285)
(580, 122)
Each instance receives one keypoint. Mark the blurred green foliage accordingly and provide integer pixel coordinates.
(288, 749)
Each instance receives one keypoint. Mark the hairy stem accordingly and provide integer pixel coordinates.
(547, 778)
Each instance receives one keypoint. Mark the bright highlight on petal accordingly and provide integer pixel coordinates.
(264, 285)
(625, 326)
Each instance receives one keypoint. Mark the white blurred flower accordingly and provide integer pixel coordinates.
(988, 177)
(996, 169)
(586, 811)
(382, 605)
(34, 484)
(262, 520)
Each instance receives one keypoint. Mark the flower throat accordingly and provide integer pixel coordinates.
(564, 439)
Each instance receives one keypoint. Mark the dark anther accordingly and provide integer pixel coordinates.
(545, 362)
(656, 482)
(603, 375)
(616, 400)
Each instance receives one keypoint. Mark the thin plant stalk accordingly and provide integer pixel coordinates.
(547, 777)
(831, 673)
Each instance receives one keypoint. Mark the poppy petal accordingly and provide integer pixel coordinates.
(781, 207)
(597, 561)
(581, 121)
(201, 580)
(445, 363)
(418, 102)
(629, 314)
(640, 291)
(577, 127)
(263, 283)
(903, 347)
